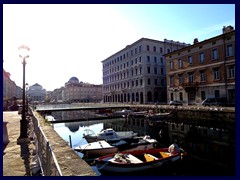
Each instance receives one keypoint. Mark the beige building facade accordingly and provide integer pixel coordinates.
(204, 69)
(77, 91)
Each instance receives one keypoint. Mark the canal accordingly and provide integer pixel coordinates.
(210, 151)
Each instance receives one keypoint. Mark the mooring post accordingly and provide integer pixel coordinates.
(70, 141)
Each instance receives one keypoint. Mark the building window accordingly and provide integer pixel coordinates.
(190, 77)
(155, 70)
(154, 48)
(231, 72)
(162, 70)
(180, 64)
(201, 57)
(140, 59)
(171, 80)
(147, 47)
(180, 96)
(155, 59)
(136, 82)
(171, 64)
(155, 81)
(148, 59)
(161, 60)
(161, 49)
(214, 54)
(192, 95)
(171, 98)
(216, 75)
(180, 79)
(217, 93)
(189, 59)
(141, 82)
(229, 50)
(162, 82)
(140, 48)
(202, 76)
(148, 70)
(149, 81)
(132, 83)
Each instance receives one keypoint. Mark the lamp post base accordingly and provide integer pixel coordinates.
(23, 140)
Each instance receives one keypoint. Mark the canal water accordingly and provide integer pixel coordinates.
(203, 158)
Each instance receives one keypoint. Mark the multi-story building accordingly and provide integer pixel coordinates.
(36, 93)
(56, 95)
(10, 89)
(11, 92)
(75, 91)
(204, 69)
(137, 73)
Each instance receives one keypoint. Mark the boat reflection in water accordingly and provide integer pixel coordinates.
(211, 150)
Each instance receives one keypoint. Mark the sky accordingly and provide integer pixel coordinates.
(67, 40)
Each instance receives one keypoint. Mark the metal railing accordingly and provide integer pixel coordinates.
(47, 160)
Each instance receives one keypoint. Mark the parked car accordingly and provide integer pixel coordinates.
(220, 101)
(176, 103)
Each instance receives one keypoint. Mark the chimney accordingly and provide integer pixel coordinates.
(227, 29)
(195, 41)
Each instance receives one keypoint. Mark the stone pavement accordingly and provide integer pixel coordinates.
(16, 158)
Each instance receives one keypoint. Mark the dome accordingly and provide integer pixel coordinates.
(73, 80)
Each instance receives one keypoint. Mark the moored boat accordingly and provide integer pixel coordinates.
(108, 135)
(96, 149)
(100, 148)
(158, 116)
(137, 161)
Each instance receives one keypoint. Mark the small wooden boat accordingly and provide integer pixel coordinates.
(137, 161)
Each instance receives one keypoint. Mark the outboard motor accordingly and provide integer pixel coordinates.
(174, 148)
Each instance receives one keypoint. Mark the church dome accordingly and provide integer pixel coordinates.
(73, 80)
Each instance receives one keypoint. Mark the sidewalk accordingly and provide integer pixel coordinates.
(16, 158)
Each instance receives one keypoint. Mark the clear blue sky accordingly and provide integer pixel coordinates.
(72, 40)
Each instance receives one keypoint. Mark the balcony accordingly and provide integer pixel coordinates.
(190, 86)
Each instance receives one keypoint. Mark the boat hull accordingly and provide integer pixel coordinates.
(106, 164)
(96, 149)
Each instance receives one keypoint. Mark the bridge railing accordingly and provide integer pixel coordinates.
(47, 160)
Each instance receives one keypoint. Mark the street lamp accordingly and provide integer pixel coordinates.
(27, 88)
(23, 122)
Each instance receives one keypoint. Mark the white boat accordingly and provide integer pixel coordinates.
(122, 113)
(100, 148)
(96, 149)
(108, 135)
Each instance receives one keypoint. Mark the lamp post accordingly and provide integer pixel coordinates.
(23, 122)
(27, 87)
